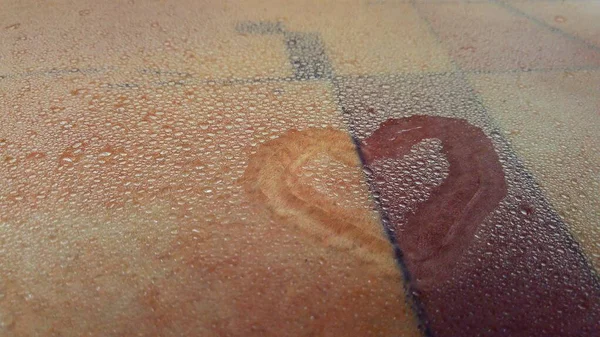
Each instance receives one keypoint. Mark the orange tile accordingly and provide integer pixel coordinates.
(202, 208)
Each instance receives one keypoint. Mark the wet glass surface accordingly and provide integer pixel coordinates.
(359, 168)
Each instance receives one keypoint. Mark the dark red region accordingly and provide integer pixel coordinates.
(442, 227)
(479, 266)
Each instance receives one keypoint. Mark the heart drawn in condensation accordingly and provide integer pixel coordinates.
(274, 180)
(437, 233)
(432, 236)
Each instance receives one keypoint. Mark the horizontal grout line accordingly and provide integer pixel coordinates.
(544, 24)
(182, 78)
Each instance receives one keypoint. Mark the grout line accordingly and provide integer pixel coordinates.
(534, 70)
(308, 57)
(415, 304)
(520, 167)
(316, 66)
(543, 24)
(188, 78)
(409, 291)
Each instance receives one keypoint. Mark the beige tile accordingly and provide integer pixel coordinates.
(580, 18)
(553, 124)
(360, 38)
(488, 37)
(200, 37)
(380, 39)
(194, 37)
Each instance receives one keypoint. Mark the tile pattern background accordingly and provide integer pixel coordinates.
(525, 71)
